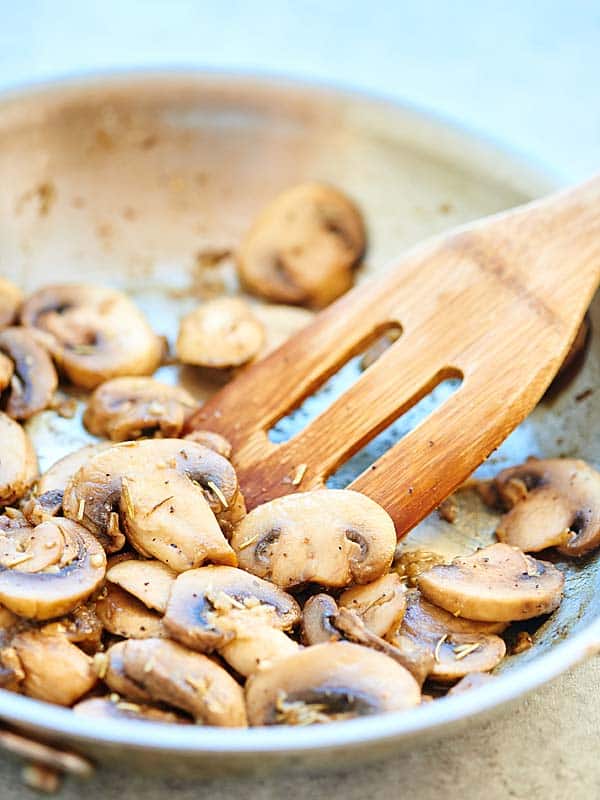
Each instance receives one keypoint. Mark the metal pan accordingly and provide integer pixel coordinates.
(129, 181)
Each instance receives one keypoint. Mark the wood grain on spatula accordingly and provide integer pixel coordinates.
(497, 302)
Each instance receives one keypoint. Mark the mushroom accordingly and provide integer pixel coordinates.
(18, 461)
(214, 441)
(472, 680)
(329, 681)
(220, 333)
(496, 583)
(7, 369)
(124, 615)
(148, 580)
(257, 644)
(55, 670)
(10, 301)
(115, 708)
(95, 333)
(380, 604)
(379, 347)
(333, 537)
(318, 620)
(81, 626)
(12, 673)
(159, 492)
(49, 570)
(34, 381)
(553, 502)
(127, 408)
(303, 247)
(168, 673)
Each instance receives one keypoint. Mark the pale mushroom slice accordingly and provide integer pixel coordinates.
(257, 643)
(333, 537)
(553, 502)
(168, 673)
(34, 381)
(18, 462)
(159, 493)
(472, 680)
(150, 581)
(318, 620)
(219, 334)
(325, 682)
(124, 615)
(112, 707)
(49, 570)
(214, 441)
(496, 583)
(11, 298)
(7, 369)
(380, 604)
(303, 247)
(94, 333)
(128, 408)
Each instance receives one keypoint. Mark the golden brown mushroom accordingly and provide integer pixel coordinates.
(127, 408)
(115, 708)
(553, 502)
(34, 381)
(496, 583)
(124, 615)
(380, 604)
(95, 333)
(18, 461)
(303, 247)
(149, 580)
(329, 681)
(333, 537)
(10, 301)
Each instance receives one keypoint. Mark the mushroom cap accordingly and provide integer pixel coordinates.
(150, 581)
(496, 583)
(11, 298)
(381, 604)
(35, 380)
(332, 679)
(168, 673)
(156, 492)
(220, 333)
(333, 537)
(214, 441)
(303, 247)
(553, 502)
(96, 333)
(109, 708)
(204, 601)
(127, 408)
(318, 620)
(18, 465)
(124, 615)
(49, 570)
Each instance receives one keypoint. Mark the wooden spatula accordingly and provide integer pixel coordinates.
(497, 302)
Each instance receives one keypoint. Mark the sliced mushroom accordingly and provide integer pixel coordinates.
(127, 408)
(95, 333)
(473, 680)
(257, 644)
(333, 537)
(329, 681)
(214, 441)
(49, 570)
(318, 620)
(496, 583)
(110, 667)
(12, 673)
(156, 492)
(10, 301)
(169, 673)
(380, 604)
(82, 627)
(55, 670)
(34, 381)
(303, 247)
(553, 502)
(149, 581)
(7, 369)
(115, 708)
(18, 461)
(220, 333)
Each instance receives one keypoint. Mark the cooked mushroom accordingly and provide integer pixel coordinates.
(127, 408)
(380, 604)
(257, 644)
(95, 333)
(149, 580)
(7, 369)
(55, 670)
(214, 441)
(472, 680)
(329, 681)
(49, 570)
(115, 708)
(496, 583)
(12, 673)
(34, 381)
(10, 301)
(553, 502)
(378, 348)
(168, 673)
(158, 492)
(122, 614)
(318, 620)
(329, 536)
(81, 626)
(18, 461)
(303, 247)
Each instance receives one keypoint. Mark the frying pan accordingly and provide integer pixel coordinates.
(130, 181)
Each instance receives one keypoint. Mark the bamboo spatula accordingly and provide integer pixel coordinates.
(497, 303)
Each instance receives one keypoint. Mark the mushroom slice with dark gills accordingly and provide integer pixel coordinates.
(124, 615)
(18, 461)
(333, 537)
(94, 333)
(496, 583)
(325, 682)
(150, 581)
(34, 381)
(159, 494)
(11, 298)
(128, 408)
(318, 620)
(380, 604)
(162, 671)
(553, 502)
(49, 570)
(118, 709)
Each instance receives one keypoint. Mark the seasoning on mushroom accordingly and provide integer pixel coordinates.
(303, 247)
(18, 464)
(333, 537)
(127, 408)
(94, 333)
(11, 298)
(124, 615)
(149, 581)
(34, 381)
(112, 707)
(380, 604)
